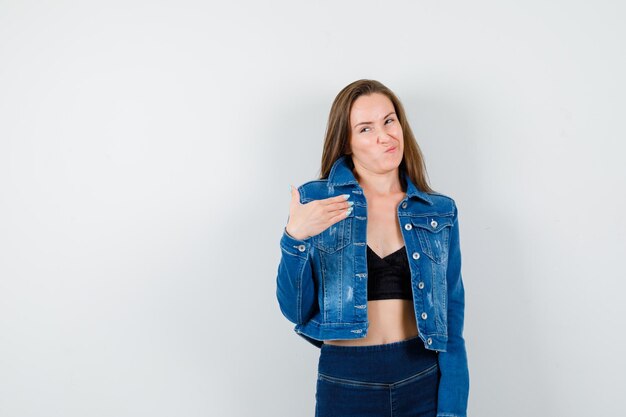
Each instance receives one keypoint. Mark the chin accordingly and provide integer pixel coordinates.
(391, 165)
(395, 162)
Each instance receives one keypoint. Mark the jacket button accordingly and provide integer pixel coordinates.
(433, 224)
(416, 255)
(429, 341)
(420, 285)
(408, 226)
(301, 248)
(424, 316)
(404, 205)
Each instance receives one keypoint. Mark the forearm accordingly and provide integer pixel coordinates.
(295, 289)
(454, 383)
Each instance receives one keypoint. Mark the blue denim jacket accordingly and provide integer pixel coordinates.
(322, 280)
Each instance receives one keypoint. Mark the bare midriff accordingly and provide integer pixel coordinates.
(389, 321)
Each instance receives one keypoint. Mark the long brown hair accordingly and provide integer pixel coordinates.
(337, 137)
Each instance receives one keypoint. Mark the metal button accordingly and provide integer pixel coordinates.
(420, 285)
(408, 226)
(429, 341)
(301, 248)
(424, 316)
(433, 224)
(416, 255)
(404, 204)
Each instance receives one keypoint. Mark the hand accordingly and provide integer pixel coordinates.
(310, 219)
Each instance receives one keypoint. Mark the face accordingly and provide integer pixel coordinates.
(376, 137)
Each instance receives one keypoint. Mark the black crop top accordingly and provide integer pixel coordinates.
(388, 277)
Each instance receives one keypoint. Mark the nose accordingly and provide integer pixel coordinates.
(384, 137)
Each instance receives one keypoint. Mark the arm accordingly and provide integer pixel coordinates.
(454, 382)
(295, 287)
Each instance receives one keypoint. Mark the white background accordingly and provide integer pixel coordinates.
(146, 152)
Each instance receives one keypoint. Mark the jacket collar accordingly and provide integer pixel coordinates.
(341, 174)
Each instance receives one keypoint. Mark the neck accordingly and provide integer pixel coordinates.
(382, 184)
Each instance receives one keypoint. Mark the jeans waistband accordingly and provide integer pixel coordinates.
(385, 363)
(370, 348)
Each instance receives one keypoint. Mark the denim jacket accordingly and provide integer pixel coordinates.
(321, 284)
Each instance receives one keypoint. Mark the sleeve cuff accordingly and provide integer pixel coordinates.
(295, 246)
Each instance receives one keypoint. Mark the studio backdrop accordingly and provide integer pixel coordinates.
(146, 153)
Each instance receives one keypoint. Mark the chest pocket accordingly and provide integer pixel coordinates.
(335, 237)
(433, 234)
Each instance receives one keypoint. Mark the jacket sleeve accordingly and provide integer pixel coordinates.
(454, 383)
(295, 288)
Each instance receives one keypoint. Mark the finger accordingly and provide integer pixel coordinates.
(335, 199)
(338, 206)
(339, 216)
(295, 195)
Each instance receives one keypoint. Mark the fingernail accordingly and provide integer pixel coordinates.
(350, 204)
(346, 196)
(349, 211)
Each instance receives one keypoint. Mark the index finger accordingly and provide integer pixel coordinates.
(336, 199)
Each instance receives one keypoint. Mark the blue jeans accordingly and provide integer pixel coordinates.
(398, 379)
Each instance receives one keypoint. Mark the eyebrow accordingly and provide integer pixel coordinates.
(367, 123)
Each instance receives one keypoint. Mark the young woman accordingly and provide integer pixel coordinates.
(370, 271)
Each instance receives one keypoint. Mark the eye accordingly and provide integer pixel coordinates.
(389, 120)
(363, 130)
